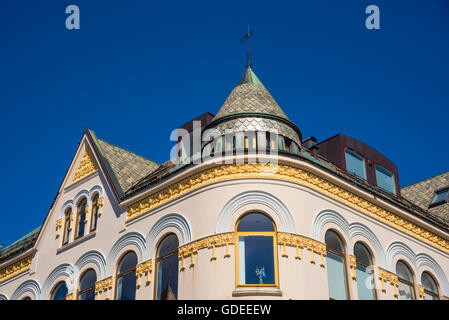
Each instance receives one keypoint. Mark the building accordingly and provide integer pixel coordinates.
(245, 209)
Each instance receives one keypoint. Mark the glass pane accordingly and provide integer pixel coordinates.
(81, 224)
(169, 244)
(365, 283)
(336, 277)
(405, 291)
(88, 280)
(256, 260)
(440, 196)
(333, 241)
(355, 163)
(126, 287)
(385, 179)
(429, 297)
(167, 278)
(428, 283)
(60, 292)
(362, 254)
(87, 295)
(403, 271)
(255, 222)
(128, 262)
(294, 148)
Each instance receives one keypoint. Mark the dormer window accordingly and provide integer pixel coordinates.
(441, 196)
(385, 179)
(355, 163)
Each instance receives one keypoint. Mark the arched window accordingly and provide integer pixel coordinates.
(26, 298)
(87, 285)
(167, 268)
(81, 218)
(60, 292)
(94, 214)
(406, 286)
(430, 287)
(256, 252)
(364, 273)
(336, 267)
(126, 277)
(67, 226)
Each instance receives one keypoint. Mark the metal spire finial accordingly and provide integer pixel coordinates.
(249, 62)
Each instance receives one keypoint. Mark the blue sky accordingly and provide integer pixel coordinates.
(136, 70)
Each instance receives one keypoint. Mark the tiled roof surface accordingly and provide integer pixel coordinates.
(421, 193)
(19, 246)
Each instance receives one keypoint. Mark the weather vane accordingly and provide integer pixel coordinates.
(249, 62)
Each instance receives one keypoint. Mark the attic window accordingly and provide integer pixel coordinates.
(441, 196)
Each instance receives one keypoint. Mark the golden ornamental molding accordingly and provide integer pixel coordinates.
(100, 206)
(144, 268)
(385, 276)
(421, 292)
(87, 165)
(58, 227)
(211, 242)
(301, 242)
(445, 298)
(70, 296)
(103, 285)
(15, 268)
(353, 266)
(290, 174)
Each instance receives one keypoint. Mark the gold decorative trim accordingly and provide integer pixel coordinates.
(58, 227)
(15, 268)
(385, 276)
(421, 292)
(285, 173)
(219, 240)
(100, 206)
(353, 265)
(300, 242)
(87, 166)
(70, 296)
(445, 298)
(144, 267)
(103, 285)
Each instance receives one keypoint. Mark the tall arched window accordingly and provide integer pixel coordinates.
(126, 277)
(406, 286)
(94, 214)
(336, 267)
(364, 272)
(256, 252)
(60, 291)
(67, 226)
(87, 285)
(81, 218)
(167, 268)
(430, 287)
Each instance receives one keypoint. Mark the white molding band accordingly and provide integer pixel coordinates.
(27, 286)
(94, 257)
(65, 270)
(134, 239)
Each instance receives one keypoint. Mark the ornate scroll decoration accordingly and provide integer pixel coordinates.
(58, 227)
(86, 213)
(87, 166)
(385, 276)
(219, 240)
(300, 242)
(70, 296)
(15, 268)
(353, 265)
(144, 268)
(421, 292)
(285, 173)
(100, 206)
(103, 285)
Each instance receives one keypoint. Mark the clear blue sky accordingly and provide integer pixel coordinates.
(136, 70)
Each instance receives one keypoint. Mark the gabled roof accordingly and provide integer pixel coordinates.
(250, 96)
(421, 194)
(124, 167)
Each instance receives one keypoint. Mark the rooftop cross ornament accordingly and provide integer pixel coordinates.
(249, 62)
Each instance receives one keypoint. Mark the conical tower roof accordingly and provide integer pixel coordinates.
(250, 96)
(250, 107)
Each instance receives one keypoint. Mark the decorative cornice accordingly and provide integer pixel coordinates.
(301, 242)
(285, 173)
(103, 285)
(87, 166)
(385, 276)
(218, 240)
(15, 268)
(144, 267)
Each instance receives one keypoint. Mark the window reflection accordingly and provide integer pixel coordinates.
(167, 269)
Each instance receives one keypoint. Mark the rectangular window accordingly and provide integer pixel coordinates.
(336, 276)
(355, 163)
(385, 179)
(365, 283)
